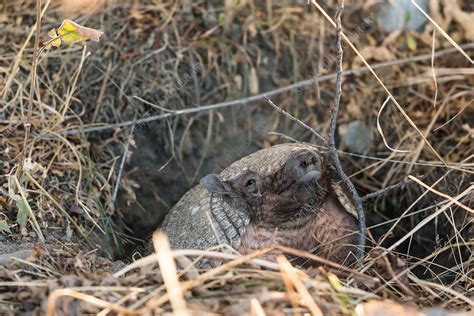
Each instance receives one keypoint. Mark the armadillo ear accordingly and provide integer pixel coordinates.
(213, 184)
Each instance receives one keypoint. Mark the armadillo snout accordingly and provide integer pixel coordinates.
(307, 168)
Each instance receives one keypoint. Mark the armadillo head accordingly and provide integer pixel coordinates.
(274, 183)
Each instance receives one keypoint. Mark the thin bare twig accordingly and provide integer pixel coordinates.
(122, 164)
(433, 71)
(27, 124)
(454, 117)
(338, 268)
(380, 130)
(296, 120)
(422, 223)
(259, 97)
(446, 196)
(385, 190)
(331, 137)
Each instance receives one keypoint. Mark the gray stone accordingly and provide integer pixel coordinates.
(401, 15)
(357, 137)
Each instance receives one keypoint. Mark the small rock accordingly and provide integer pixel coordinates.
(7, 259)
(401, 15)
(356, 136)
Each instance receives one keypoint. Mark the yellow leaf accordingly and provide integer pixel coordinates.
(411, 42)
(71, 32)
(335, 282)
(52, 33)
(55, 40)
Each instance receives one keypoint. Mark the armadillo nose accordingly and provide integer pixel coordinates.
(308, 168)
(311, 176)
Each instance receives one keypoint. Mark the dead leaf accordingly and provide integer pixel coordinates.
(81, 7)
(238, 82)
(374, 53)
(354, 108)
(252, 29)
(253, 81)
(390, 39)
(386, 308)
(231, 9)
(389, 308)
(391, 267)
(435, 13)
(310, 102)
(136, 13)
(452, 12)
(464, 19)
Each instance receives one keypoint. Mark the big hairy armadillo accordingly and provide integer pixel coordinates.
(286, 194)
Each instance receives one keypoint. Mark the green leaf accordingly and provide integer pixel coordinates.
(222, 19)
(22, 215)
(4, 227)
(411, 42)
(408, 16)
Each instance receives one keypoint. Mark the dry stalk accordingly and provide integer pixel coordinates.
(170, 276)
(27, 124)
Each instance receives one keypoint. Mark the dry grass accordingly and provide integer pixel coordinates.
(421, 235)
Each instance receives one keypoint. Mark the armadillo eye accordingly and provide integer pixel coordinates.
(250, 183)
(251, 186)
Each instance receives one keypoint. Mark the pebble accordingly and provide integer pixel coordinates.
(356, 136)
(401, 14)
